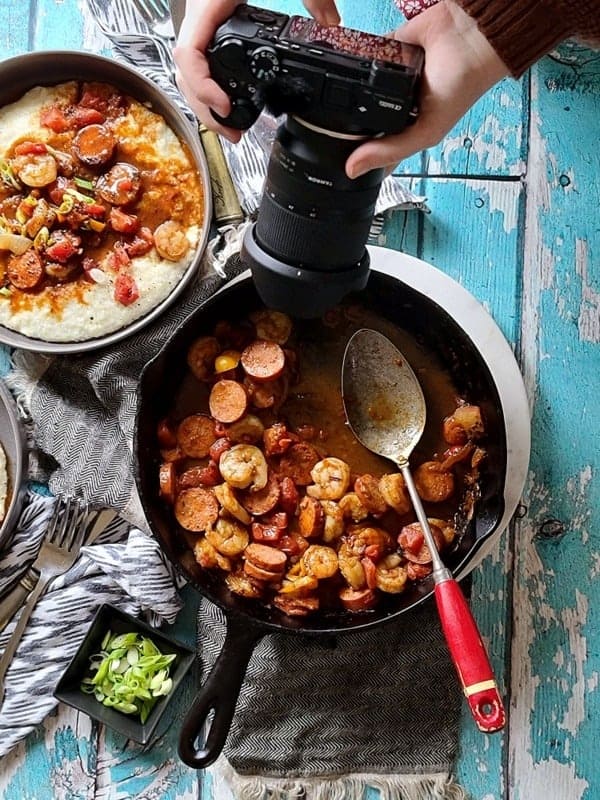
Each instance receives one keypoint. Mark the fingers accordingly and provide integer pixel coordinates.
(324, 11)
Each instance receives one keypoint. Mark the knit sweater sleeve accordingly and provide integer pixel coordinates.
(522, 31)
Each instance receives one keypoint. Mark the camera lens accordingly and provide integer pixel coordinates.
(307, 248)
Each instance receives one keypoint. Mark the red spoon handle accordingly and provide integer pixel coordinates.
(469, 657)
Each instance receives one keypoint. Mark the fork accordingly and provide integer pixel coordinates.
(157, 15)
(59, 551)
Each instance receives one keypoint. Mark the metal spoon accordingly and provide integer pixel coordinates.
(386, 410)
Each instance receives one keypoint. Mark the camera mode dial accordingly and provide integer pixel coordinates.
(264, 63)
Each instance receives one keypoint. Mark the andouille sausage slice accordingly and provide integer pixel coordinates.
(296, 606)
(94, 144)
(264, 500)
(120, 185)
(208, 475)
(298, 462)
(26, 270)
(263, 360)
(357, 599)
(434, 483)
(265, 557)
(367, 488)
(261, 574)
(167, 476)
(227, 401)
(196, 434)
(311, 517)
(196, 509)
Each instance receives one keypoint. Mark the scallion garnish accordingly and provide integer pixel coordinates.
(129, 673)
(83, 183)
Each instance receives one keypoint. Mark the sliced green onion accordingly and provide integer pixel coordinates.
(83, 183)
(129, 674)
(7, 174)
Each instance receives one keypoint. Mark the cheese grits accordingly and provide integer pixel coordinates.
(101, 209)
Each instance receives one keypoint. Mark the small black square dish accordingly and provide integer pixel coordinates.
(110, 619)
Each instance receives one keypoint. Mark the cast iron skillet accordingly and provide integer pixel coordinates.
(248, 621)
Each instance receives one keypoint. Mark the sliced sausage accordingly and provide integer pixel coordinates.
(266, 534)
(227, 401)
(412, 541)
(166, 434)
(264, 500)
(296, 606)
(290, 497)
(273, 325)
(298, 462)
(263, 360)
(357, 599)
(265, 557)
(195, 435)
(311, 517)
(120, 185)
(200, 476)
(218, 447)
(277, 439)
(168, 482)
(94, 144)
(260, 574)
(25, 271)
(196, 509)
(415, 572)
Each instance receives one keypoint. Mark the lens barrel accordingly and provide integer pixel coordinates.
(308, 243)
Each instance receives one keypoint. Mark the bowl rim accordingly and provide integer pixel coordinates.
(141, 87)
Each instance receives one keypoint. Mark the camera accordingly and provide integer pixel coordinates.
(337, 87)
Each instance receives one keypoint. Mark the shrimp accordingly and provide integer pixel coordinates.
(242, 585)
(228, 536)
(351, 567)
(434, 483)
(248, 429)
(390, 574)
(352, 507)
(394, 491)
(300, 586)
(226, 497)
(273, 325)
(201, 356)
(171, 241)
(331, 478)
(36, 169)
(244, 466)
(209, 557)
(369, 541)
(333, 526)
(320, 561)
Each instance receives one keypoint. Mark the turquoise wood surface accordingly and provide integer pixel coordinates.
(514, 200)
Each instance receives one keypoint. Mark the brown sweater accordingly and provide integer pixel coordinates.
(522, 31)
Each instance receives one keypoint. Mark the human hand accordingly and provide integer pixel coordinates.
(201, 20)
(460, 66)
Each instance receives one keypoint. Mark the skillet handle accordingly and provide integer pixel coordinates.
(219, 694)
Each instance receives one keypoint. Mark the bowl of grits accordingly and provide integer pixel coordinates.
(105, 201)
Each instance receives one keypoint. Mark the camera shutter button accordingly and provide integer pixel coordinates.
(264, 63)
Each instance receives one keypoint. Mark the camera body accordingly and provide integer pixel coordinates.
(335, 78)
(337, 87)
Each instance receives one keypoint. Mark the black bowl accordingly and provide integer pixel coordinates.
(109, 618)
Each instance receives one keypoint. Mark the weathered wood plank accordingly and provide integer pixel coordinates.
(555, 661)
(15, 33)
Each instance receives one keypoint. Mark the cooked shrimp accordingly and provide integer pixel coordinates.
(273, 325)
(300, 586)
(209, 557)
(394, 491)
(171, 241)
(350, 567)
(241, 584)
(369, 541)
(331, 478)
(333, 526)
(228, 536)
(390, 574)
(244, 466)
(320, 561)
(248, 429)
(201, 356)
(434, 483)
(36, 169)
(352, 507)
(226, 497)
(447, 528)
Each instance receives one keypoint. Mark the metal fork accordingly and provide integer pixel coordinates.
(59, 551)
(157, 15)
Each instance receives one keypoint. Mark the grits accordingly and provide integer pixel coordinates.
(111, 272)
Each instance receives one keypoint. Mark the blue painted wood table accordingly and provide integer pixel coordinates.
(514, 198)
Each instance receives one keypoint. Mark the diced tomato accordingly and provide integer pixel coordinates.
(55, 119)
(64, 245)
(370, 572)
(142, 243)
(57, 189)
(30, 148)
(95, 209)
(122, 222)
(80, 117)
(119, 258)
(126, 290)
(411, 538)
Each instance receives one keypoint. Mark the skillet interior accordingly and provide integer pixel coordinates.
(406, 308)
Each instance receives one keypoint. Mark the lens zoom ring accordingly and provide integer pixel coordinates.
(335, 241)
